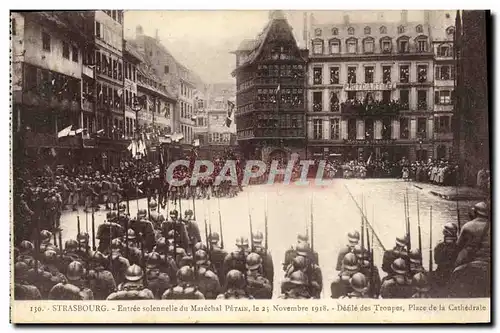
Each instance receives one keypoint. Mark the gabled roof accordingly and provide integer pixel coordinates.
(132, 50)
(246, 45)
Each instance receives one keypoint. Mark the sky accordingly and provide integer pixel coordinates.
(203, 40)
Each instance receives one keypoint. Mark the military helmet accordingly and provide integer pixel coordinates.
(116, 244)
(420, 281)
(26, 247)
(154, 260)
(188, 212)
(98, 259)
(472, 213)
(20, 269)
(235, 279)
(302, 249)
(186, 260)
(353, 237)
(258, 237)
(161, 245)
(130, 234)
(75, 270)
(358, 282)
(481, 209)
(153, 204)
(83, 237)
(253, 261)
(415, 256)
(302, 238)
(402, 241)
(399, 266)
(241, 241)
(50, 256)
(185, 274)
(214, 238)
(200, 246)
(141, 213)
(174, 213)
(298, 278)
(200, 257)
(350, 262)
(71, 244)
(133, 273)
(450, 229)
(122, 207)
(111, 216)
(361, 252)
(45, 235)
(299, 262)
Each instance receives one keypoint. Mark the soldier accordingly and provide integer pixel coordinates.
(23, 289)
(235, 286)
(206, 280)
(473, 242)
(291, 253)
(181, 234)
(75, 289)
(217, 256)
(421, 286)
(118, 264)
(237, 259)
(370, 271)
(45, 239)
(257, 285)
(83, 249)
(185, 288)
(341, 285)
(132, 288)
(108, 231)
(101, 281)
(303, 261)
(399, 251)
(353, 238)
(73, 198)
(445, 254)
(26, 253)
(115, 191)
(167, 264)
(397, 284)
(156, 218)
(299, 287)
(415, 262)
(359, 286)
(134, 253)
(192, 228)
(158, 281)
(267, 259)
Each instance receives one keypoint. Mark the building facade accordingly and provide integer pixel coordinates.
(270, 97)
(371, 89)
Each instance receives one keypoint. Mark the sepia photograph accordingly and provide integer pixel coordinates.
(264, 165)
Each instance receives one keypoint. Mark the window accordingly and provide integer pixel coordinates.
(317, 32)
(401, 29)
(334, 102)
(404, 128)
(334, 75)
(386, 74)
(65, 50)
(368, 30)
(386, 129)
(443, 124)
(422, 100)
(318, 47)
(350, 31)
(351, 45)
(74, 54)
(422, 73)
(444, 51)
(45, 41)
(442, 97)
(421, 127)
(419, 29)
(335, 31)
(351, 129)
(386, 96)
(403, 46)
(445, 72)
(334, 46)
(422, 45)
(165, 69)
(13, 27)
(369, 129)
(351, 95)
(404, 98)
(368, 45)
(318, 75)
(335, 129)
(404, 74)
(318, 129)
(351, 75)
(386, 45)
(383, 30)
(98, 29)
(369, 74)
(317, 101)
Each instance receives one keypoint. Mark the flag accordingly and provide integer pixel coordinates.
(228, 122)
(196, 142)
(72, 133)
(53, 152)
(78, 131)
(369, 159)
(120, 92)
(229, 118)
(101, 131)
(278, 89)
(194, 117)
(64, 132)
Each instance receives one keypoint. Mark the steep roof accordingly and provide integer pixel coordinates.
(247, 45)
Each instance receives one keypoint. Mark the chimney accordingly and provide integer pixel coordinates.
(346, 19)
(156, 36)
(305, 30)
(404, 16)
(138, 31)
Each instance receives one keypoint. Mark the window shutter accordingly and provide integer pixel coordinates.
(437, 72)
(436, 97)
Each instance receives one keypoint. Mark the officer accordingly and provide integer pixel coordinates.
(473, 242)
(235, 286)
(397, 284)
(101, 281)
(359, 286)
(118, 264)
(399, 251)
(23, 289)
(267, 259)
(353, 238)
(192, 228)
(158, 281)
(185, 288)
(341, 285)
(257, 285)
(217, 256)
(299, 287)
(206, 280)
(420, 286)
(445, 255)
(75, 289)
(237, 259)
(132, 288)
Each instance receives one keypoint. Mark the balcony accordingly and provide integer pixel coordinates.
(373, 108)
(32, 139)
(41, 100)
(279, 133)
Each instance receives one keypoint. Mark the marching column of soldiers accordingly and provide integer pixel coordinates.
(152, 257)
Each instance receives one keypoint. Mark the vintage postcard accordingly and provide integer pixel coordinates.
(250, 166)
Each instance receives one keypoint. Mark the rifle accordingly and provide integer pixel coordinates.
(368, 245)
(362, 225)
(220, 227)
(312, 226)
(266, 230)
(149, 211)
(78, 229)
(143, 257)
(194, 205)
(419, 229)
(251, 228)
(128, 206)
(408, 220)
(430, 241)
(93, 230)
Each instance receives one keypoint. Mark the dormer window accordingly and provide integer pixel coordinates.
(368, 45)
(401, 29)
(350, 31)
(386, 45)
(421, 43)
(318, 46)
(317, 32)
(352, 45)
(335, 31)
(403, 45)
(419, 29)
(383, 30)
(368, 30)
(334, 46)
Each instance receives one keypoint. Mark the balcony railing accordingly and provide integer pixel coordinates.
(371, 108)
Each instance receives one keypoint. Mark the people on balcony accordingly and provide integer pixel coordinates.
(371, 106)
